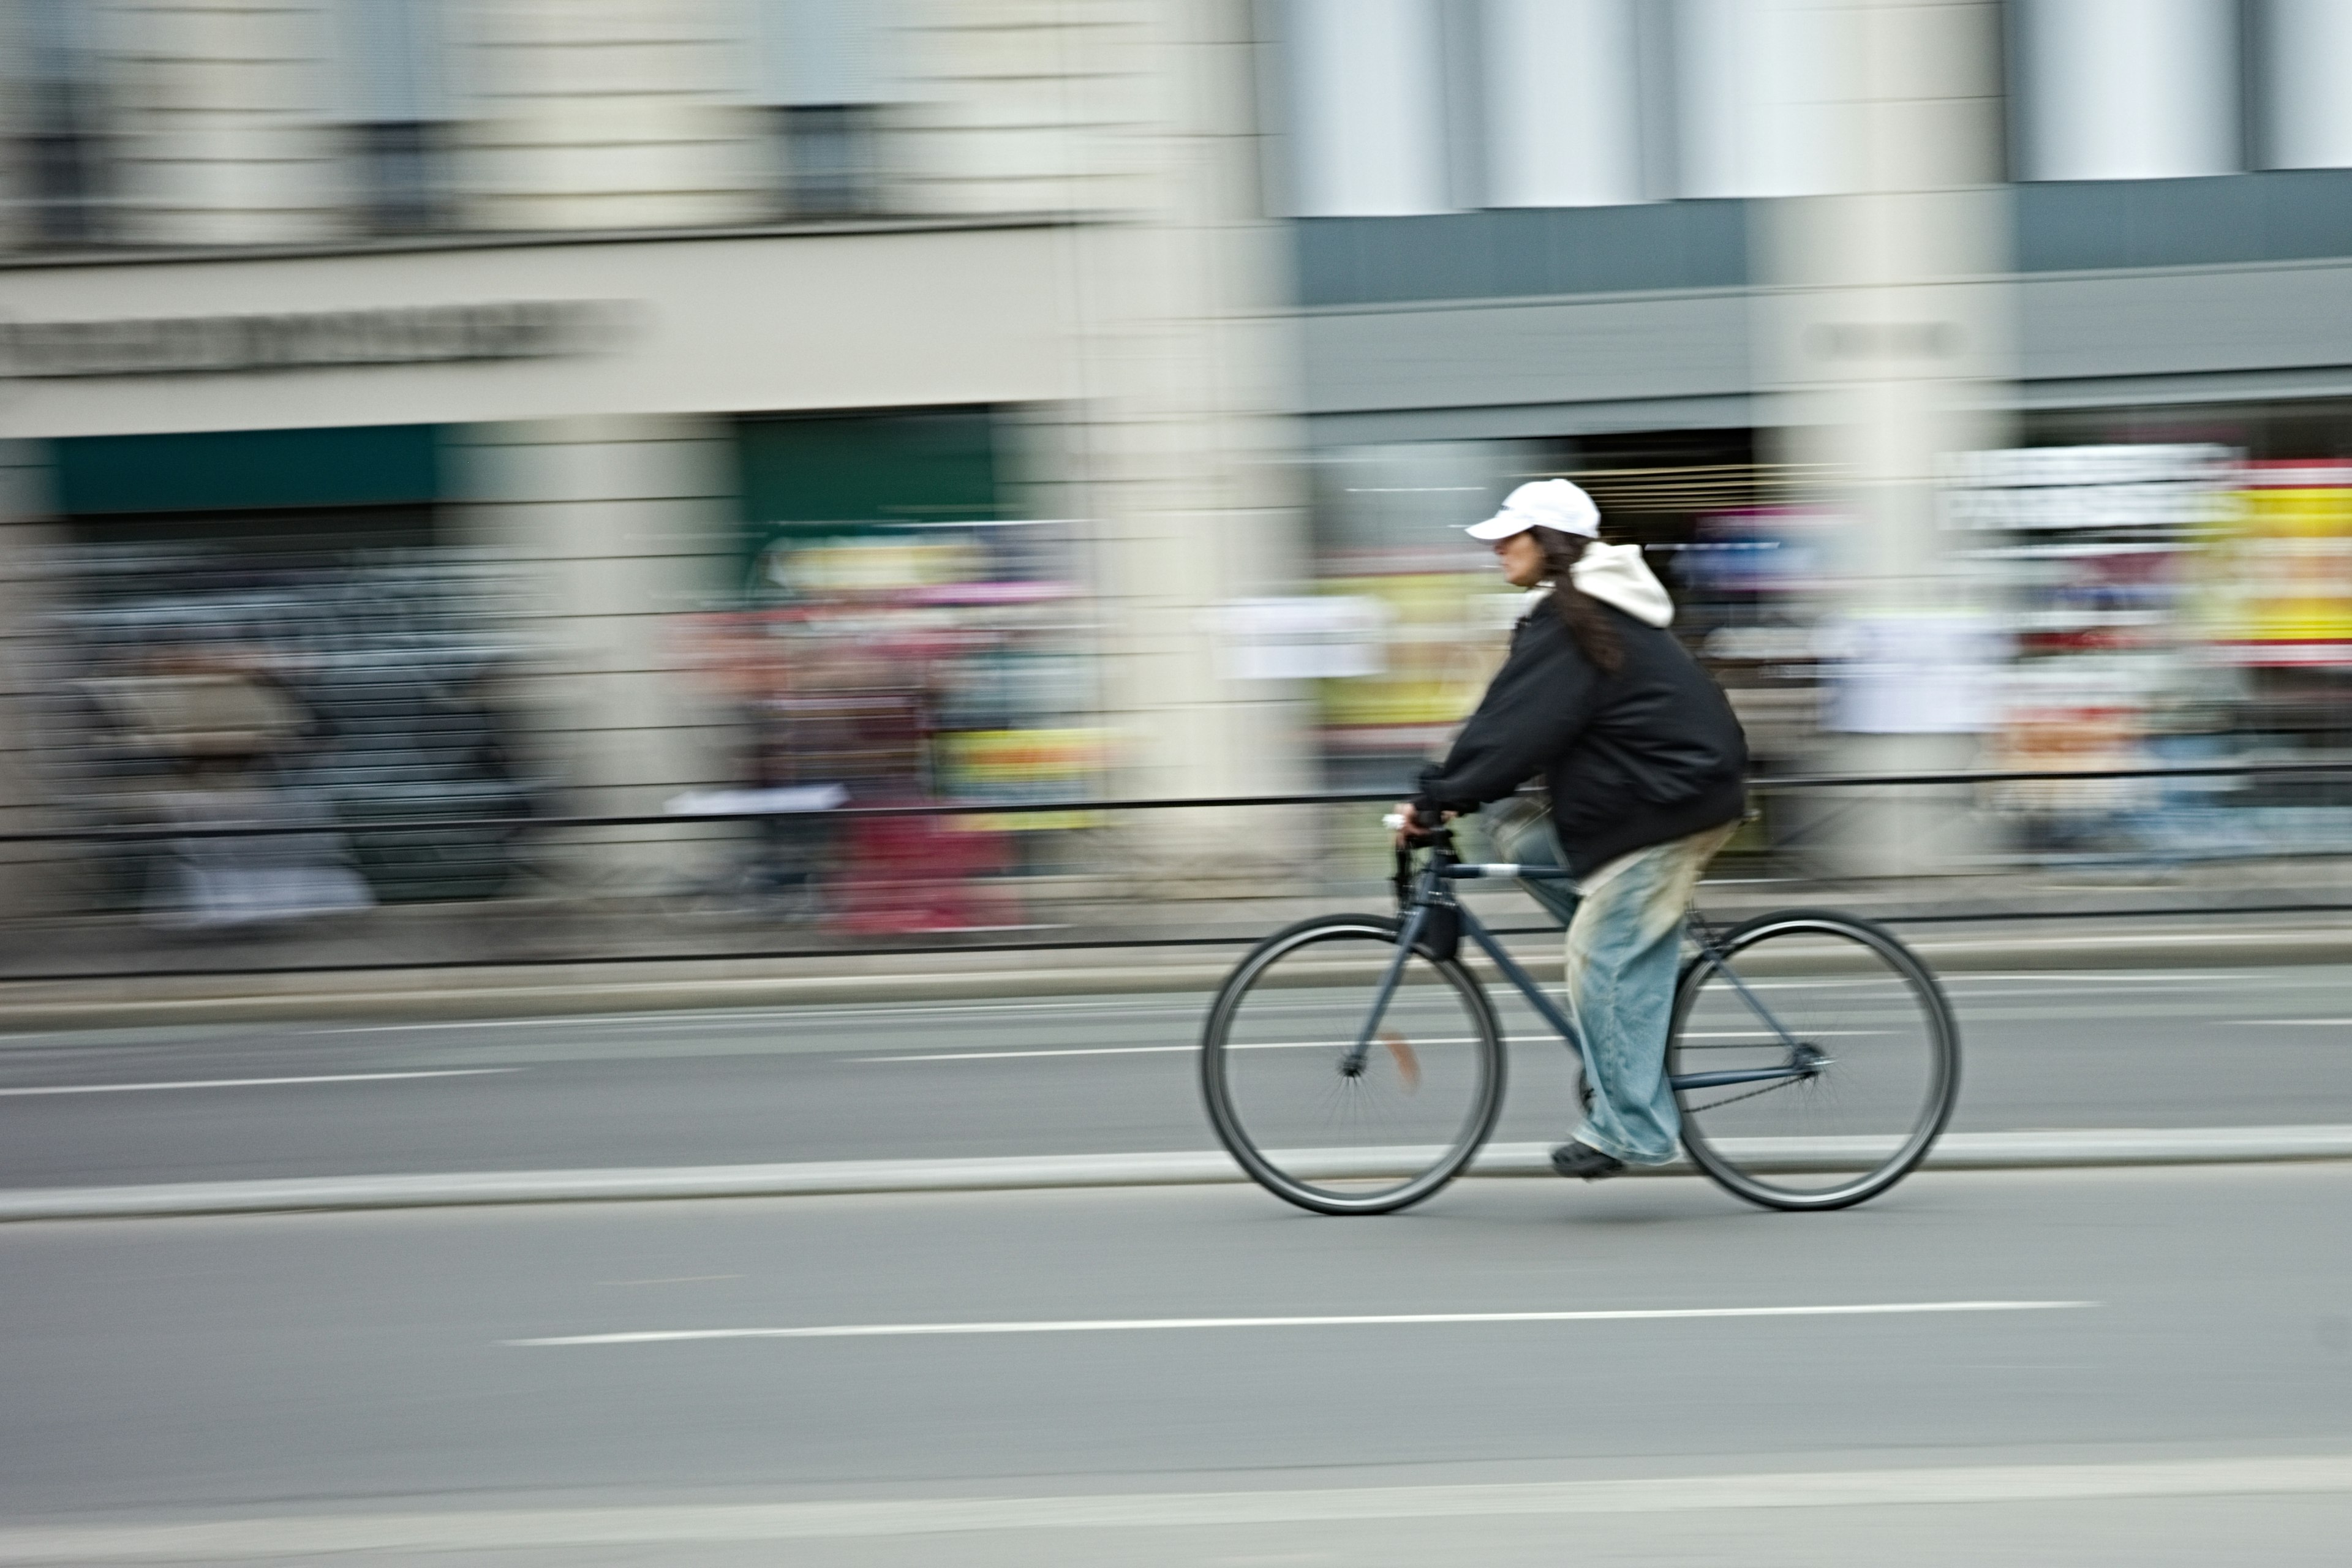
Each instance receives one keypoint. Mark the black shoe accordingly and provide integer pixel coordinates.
(1575, 1159)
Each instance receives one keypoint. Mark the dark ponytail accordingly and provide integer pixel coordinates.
(1586, 621)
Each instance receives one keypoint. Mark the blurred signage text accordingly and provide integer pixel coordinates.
(423, 334)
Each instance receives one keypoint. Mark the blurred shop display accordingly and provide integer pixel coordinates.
(1751, 580)
(223, 686)
(2110, 564)
(1415, 618)
(2279, 614)
(899, 633)
(896, 664)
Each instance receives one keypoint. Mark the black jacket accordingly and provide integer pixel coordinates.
(1649, 755)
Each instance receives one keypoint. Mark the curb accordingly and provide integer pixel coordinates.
(435, 997)
(1955, 1152)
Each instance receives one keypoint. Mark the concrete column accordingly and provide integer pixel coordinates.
(610, 527)
(1563, 103)
(2306, 54)
(2127, 89)
(222, 139)
(1754, 96)
(586, 114)
(1368, 132)
(1176, 449)
(1883, 334)
(1015, 108)
(35, 878)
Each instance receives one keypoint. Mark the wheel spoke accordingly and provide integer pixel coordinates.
(1420, 1102)
(1870, 1026)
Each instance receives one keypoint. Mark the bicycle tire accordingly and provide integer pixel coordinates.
(1902, 1032)
(1434, 992)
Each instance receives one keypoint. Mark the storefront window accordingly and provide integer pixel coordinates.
(267, 626)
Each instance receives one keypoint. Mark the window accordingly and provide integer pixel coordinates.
(61, 147)
(392, 96)
(820, 78)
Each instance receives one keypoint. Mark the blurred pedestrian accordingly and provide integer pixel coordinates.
(1645, 766)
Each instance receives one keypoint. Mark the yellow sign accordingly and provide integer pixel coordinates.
(2286, 568)
(1009, 764)
(994, 758)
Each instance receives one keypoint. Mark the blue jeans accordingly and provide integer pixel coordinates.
(1624, 949)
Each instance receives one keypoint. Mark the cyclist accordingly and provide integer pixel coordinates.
(1643, 761)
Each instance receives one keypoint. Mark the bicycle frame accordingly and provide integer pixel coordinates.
(1428, 891)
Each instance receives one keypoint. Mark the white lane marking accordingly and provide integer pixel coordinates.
(697, 1525)
(1808, 1033)
(1103, 1325)
(1314, 1045)
(736, 1018)
(1147, 1051)
(2104, 977)
(999, 1056)
(252, 1083)
(2287, 1023)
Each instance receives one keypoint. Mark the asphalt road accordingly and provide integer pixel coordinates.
(2114, 1366)
(1078, 1074)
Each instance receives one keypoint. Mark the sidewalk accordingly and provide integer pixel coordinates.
(946, 974)
(519, 958)
(1954, 1152)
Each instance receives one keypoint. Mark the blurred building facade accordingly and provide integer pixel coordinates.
(1756, 271)
(963, 317)
(1101, 333)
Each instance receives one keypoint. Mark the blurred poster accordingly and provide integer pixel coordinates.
(1308, 637)
(1441, 638)
(1917, 674)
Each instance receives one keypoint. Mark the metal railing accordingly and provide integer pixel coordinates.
(1767, 785)
(525, 823)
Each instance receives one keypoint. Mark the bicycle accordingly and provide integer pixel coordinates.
(1814, 1056)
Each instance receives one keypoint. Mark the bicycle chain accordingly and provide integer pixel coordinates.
(1735, 1099)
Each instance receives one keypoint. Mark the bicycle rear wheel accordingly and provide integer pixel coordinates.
(1863, 1021)
(1274, 1068)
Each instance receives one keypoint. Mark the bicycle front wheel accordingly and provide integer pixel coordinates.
(1310, 1121)
(1815, 1060)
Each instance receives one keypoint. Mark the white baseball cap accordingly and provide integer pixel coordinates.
(1545, 503)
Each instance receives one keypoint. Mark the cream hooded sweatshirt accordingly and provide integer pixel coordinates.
(1616, 574)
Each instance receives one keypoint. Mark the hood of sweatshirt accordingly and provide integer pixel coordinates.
(1616, 574)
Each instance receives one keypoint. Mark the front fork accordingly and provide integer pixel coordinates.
(1415, 894)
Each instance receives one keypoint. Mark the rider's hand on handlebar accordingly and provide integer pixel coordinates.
(1409, 828)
